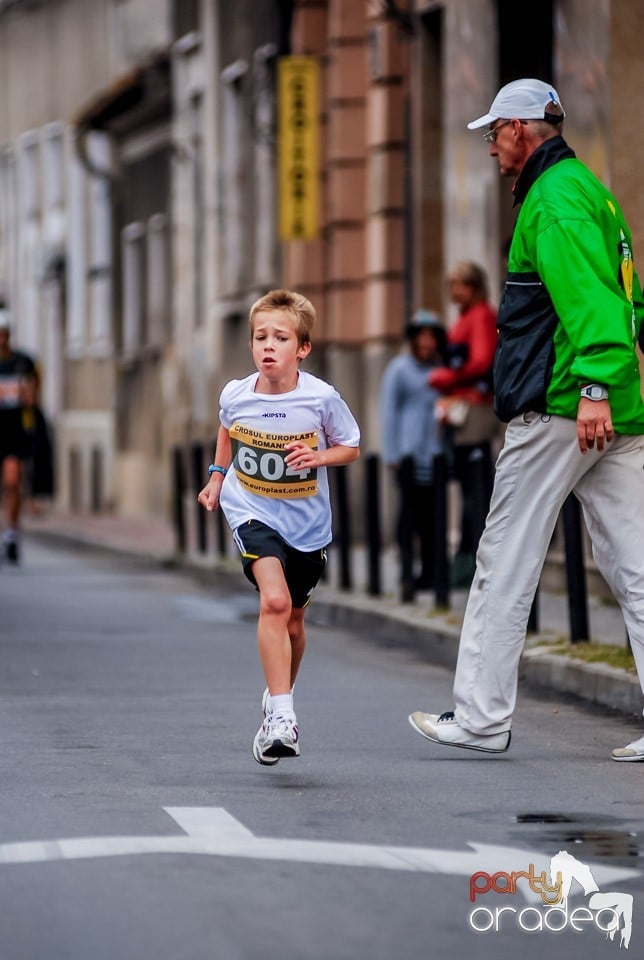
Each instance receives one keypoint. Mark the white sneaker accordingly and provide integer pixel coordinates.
(265, 761)
(443, 728)
(277, 737)
(632, 751)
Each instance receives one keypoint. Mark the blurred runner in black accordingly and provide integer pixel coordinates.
(17, 372)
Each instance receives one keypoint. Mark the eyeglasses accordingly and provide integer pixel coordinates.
(490, 136)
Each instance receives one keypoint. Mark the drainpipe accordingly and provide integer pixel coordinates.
(406, 24)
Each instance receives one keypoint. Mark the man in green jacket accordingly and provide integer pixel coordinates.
(567, 383)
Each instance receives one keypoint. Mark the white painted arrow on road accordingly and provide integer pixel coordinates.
(214, 832)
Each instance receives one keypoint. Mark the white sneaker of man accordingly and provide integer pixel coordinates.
(443, 728)
(632, 751)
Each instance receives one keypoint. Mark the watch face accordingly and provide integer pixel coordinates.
(594, 392)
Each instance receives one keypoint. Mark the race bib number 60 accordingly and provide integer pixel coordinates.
(258, 461)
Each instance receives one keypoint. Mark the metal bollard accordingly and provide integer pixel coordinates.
(343, 527)
(406, 527)
(441, 563)
(178, 493)
(372, 524)
(218, 520)
(220, 526)
(480, 489)
(575, 570)
(197, 483)
(533, 618)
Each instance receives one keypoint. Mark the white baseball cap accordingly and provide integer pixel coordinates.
(524, 100)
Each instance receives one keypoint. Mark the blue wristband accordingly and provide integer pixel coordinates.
(215, 468)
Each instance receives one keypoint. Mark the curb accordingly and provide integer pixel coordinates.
(595, 683)
(388, 624)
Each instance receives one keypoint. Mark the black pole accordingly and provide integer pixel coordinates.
(406, 527)
(372, 523)
(198, 482)
(178, 493)
(575, 571)
(343, 526)
(533, 619)
(218, 519)
(220, 525)
(479, 485)
(441, 563)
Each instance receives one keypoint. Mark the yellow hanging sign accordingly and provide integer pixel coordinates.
(298, 159)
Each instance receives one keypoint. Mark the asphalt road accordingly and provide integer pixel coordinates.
(134, 822)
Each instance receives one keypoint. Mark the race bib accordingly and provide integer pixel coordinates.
(258, 461)
(10, 396)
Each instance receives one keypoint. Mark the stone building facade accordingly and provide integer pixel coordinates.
(139, 209)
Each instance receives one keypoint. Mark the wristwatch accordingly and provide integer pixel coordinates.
(594, 391)
(215, 468)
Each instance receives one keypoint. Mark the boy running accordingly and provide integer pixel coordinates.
(280, 428)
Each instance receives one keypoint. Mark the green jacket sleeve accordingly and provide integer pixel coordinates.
(580, 272)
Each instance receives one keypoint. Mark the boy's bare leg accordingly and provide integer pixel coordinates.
(273, 640)
(297, 636)
(280, 642)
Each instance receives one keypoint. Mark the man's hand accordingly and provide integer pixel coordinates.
(594, 424)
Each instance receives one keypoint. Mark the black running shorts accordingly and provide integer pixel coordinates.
(14, 440)
(301, 570)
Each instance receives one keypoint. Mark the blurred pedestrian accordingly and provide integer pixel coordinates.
(410, 441)
(38, 484)
(280, 429)
(567, 382)
(466, 407)
(17, 375)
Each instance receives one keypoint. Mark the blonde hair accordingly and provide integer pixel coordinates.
(294, 304)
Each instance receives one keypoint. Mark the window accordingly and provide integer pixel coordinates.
(233, 146)
(134, 288)
(158, 280)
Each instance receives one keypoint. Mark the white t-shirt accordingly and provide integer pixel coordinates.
(258, 485)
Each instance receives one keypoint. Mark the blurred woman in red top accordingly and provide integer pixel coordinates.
(465, 406)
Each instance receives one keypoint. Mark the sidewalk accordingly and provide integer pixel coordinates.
(430, 632)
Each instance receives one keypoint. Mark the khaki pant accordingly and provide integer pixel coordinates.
(539, 466)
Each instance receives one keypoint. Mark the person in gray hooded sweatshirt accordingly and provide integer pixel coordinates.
(410, 440)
